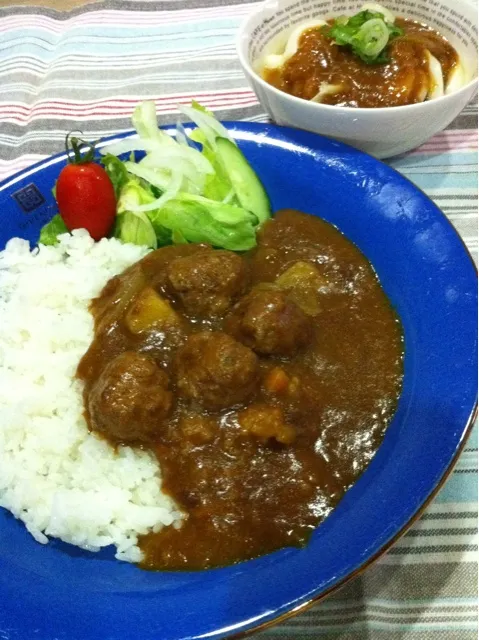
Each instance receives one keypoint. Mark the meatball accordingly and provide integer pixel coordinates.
(269, 322)
(215, 371)
(208, 282)
(130, 399)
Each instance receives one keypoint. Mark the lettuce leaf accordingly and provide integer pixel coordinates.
(197, 219)
(134, 226)
(50, 232)
(116, 171)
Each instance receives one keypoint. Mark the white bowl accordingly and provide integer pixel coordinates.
(384, 131)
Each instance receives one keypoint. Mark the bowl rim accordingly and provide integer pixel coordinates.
(243, 36)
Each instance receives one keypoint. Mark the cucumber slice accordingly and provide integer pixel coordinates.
(248, 188)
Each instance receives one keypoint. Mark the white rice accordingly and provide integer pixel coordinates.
(58, 478)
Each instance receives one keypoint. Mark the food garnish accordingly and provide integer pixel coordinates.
(176, 193)
(51, 231)
(84, 194)
(367, 33)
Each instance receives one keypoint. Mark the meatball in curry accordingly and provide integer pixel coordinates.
(130, 400)
(207, 282)
(215, 371)
(269, 322)
(263, 382)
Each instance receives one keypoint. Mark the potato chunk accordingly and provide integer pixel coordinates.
(264, 423)
(302, 281)
(150, 311)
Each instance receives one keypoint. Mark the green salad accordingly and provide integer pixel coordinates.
(194, 187)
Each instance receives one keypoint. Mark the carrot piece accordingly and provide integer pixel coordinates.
(276, 381)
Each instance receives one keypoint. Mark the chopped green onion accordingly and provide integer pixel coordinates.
(371, 38)
(367, 34)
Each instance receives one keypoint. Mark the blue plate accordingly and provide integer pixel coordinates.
(57, 592)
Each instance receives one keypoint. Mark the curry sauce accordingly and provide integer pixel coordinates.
(263, 382)
(405, 79)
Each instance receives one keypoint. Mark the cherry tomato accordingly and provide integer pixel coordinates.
(85, 195)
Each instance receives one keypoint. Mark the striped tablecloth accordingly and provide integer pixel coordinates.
(86, 69)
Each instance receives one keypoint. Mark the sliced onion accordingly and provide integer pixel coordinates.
(378, 8)
(174, 185)
(165, 163)
(194, 116)
(126, 146)
(208, 125)
(181, 137)
(179, 155)
(188, 154)
(202, 164)
(157, 179)
(436, 81)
